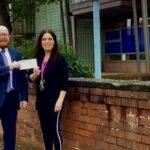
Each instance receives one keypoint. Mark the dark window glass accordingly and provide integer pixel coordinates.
(128, 42)
(113, 35)
(111, 48)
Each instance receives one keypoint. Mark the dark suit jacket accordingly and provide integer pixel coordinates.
(20, 82)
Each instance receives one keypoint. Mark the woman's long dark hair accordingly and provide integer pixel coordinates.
(39, 51)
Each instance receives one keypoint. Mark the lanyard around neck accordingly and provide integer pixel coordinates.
(43, 66)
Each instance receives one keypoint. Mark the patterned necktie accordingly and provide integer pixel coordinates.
(6, 63)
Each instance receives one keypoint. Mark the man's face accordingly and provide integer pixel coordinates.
(4, 38)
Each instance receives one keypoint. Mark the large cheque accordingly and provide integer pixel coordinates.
(28, 64)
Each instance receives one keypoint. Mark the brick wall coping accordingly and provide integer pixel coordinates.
(132, 85)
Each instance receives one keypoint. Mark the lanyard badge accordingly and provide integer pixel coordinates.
(42, 81)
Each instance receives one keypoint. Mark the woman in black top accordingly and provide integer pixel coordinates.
(51, 77)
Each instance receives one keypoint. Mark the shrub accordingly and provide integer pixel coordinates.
(77, 68)
(26, 48)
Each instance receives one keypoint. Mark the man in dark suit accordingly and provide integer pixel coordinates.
(13, 88)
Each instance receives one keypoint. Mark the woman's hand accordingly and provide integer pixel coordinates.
(36, 71)
(35, 74)
(58, 106)
(59, 102)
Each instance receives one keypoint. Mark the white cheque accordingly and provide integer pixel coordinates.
(28, 64)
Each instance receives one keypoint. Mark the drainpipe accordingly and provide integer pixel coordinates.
(68, 20)
(97, 39)
(63, 21)
(134, 8)
(146, 33)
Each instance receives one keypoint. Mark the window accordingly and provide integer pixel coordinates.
(120, 43)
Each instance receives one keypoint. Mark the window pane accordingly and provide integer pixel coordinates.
(128, 42)
(113, 35)
(111, 48)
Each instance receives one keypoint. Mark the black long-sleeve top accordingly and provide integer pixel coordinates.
(56, 79)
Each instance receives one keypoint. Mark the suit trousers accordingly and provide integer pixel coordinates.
(8, 116)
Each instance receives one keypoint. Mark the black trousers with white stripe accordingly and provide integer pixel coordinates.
(50, 125)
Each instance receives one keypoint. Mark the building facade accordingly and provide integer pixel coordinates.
(53, 16)
(117, 34)
(118, 46)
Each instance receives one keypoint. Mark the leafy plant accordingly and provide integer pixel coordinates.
(77, 68)
(20, 10)
(26, 48)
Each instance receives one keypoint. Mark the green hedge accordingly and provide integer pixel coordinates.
(77, 68)
(26, 48)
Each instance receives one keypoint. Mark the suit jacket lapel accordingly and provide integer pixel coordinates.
(1, 60)
(11, 54)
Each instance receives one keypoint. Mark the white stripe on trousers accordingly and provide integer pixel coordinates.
(57, 124)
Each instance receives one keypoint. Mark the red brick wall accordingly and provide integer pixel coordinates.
(94, 118)
(28, 128)
(123, 66)
(106, 119)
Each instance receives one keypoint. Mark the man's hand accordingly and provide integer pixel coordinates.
(14, 65)
(23, 104)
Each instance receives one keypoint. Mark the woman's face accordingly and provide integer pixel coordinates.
(47, 42)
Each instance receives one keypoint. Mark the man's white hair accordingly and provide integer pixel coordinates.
(4, 28)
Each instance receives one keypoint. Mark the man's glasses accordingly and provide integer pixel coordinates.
(3, 34)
